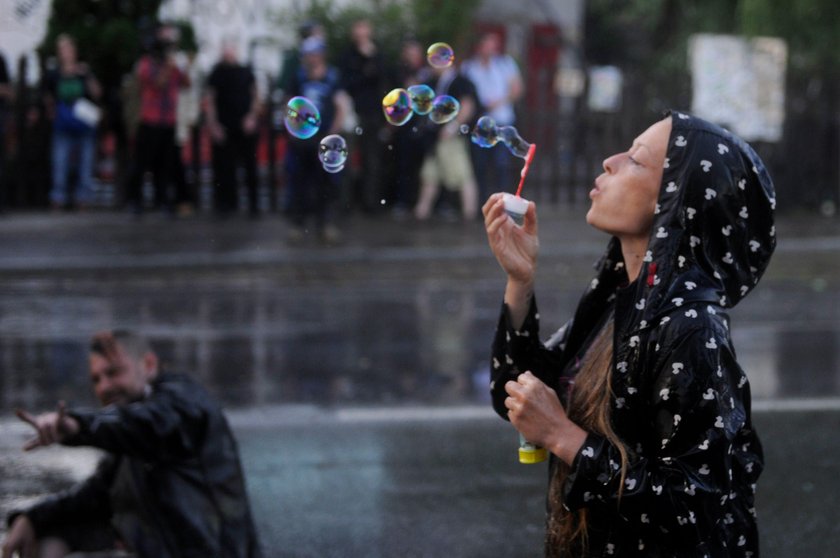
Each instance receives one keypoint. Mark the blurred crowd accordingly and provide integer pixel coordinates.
(180, 140)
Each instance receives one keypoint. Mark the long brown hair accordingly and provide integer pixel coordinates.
(588, 407)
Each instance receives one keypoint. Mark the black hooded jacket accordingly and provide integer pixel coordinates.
(171, 484)
(680, 402)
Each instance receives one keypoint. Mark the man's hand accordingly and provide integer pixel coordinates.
(52, 428)
(536, 412)
(249, 123)
(20, 539)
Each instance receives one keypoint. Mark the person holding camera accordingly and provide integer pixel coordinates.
(159, 79)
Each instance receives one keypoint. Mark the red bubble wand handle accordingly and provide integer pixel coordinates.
(528, 158)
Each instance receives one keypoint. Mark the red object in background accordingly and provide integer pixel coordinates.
(543, 52)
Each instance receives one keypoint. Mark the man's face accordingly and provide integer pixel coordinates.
(121, 380)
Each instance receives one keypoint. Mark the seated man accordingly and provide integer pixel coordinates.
(171, 483)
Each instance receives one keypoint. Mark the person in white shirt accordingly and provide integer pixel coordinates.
(499, 85)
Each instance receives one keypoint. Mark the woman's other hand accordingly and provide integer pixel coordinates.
(535, 410)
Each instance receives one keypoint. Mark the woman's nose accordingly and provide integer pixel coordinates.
(610, 164)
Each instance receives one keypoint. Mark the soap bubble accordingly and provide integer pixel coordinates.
(333, 169)
(397, 107)
(421, 98)
(464, 129)
(332, 152)
(440, 55)
(514, 142)
(444, 109)
(485, 133)
(302, 118)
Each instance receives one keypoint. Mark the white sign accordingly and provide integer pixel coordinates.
(23, 25)
(605, 83)
(740, 83)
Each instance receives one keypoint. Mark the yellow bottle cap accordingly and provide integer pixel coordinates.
(532, 455)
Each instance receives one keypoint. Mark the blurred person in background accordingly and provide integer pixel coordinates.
(233, 116)
(186, 121)
(365, 79)
(158, 79)
(409, 140)
(70, 92)
(170, 483)
(312, 190)
(499, 84)
(291, 58)
(447, 159)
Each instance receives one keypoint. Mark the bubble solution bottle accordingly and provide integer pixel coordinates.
(530, 453)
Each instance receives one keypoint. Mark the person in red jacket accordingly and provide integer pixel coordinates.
(159, 79)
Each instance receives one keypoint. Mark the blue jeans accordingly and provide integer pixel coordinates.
(63, 145)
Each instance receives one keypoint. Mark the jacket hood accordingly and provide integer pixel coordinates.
(713, 232)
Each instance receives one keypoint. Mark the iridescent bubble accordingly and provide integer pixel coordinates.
(333, 170)
(421, 98)
(397, 107)
(332, 152)
(513, 141)
(464, 129)
(440, 55)
(302, 118)
(444, 109)
(485, 133)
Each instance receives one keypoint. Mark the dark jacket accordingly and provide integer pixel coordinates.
(680, 401)
(172, 484)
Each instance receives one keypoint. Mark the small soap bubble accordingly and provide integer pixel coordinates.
(440, 55)
(302, 119)
(444, 109)
(332, 152)
(464, 129)
(485, 133)
(397, 107)
(514, 142)
(333, 169)
(358, 131)
(421, 98)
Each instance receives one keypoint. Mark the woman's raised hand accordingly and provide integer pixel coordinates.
(515, 247)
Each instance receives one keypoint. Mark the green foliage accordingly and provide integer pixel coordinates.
(109, 35)
(393, 20)
(811, 28)
(442, 20)
(656, 31)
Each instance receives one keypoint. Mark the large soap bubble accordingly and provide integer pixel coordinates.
(514, 141)
(485, 133)
(421, 98)
(444, 109)
(397, 107)
(440, 55)
(332, 152)
(302, 119)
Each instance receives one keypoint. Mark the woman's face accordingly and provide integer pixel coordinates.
(625, 194)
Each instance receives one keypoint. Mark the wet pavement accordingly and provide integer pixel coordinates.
(356, 375)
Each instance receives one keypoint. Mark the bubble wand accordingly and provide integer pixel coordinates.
(528, 158)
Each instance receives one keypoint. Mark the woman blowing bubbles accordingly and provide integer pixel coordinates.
(639, 397)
